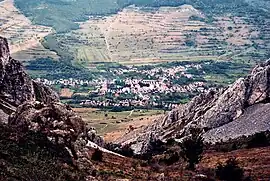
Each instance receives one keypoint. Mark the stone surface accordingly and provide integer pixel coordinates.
(58, 122)
(44, 93)
(16, 87)
(255, 119)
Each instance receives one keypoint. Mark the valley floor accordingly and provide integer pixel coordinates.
(113, 125)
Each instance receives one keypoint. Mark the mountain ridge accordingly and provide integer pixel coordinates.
(32, 117)
(211, 111)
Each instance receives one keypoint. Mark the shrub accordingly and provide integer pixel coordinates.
(192, 148)
(258, 140)
(126, 151)
(170, 142)
(31, 156)
(97, 155)
(156, 147)
(155, 167)
(171, 158)
(230, 171)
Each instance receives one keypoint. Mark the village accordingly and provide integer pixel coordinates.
(144, 87)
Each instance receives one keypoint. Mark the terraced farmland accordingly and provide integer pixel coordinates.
(24, 37)
(149, 35)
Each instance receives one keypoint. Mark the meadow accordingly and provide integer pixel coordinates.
(113, 125)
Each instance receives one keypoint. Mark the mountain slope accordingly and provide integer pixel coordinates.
(24, 37)
(240, 109)
(40, 138)
(152, 32)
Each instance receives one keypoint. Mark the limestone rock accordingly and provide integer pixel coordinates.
(60, 125)
(16, 87)
(27, 106)
(44, 93)
(57, 121)
(216, 110)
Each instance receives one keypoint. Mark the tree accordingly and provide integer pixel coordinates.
(230, 171)
(258, 140)
(97, 155)
(192, 148)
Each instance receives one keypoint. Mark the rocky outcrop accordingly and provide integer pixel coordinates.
(254, 119)
(31, 108)
(16, 87)
(56, 120)
(62, 127)
(44, 93)
(212, 111)
(58, 123)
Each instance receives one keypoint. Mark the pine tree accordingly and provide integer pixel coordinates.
(192, 148)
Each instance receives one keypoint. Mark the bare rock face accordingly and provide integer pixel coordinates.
(44, 93)
(4, 56)
(57, 121)
(213, 111)
(16, 87)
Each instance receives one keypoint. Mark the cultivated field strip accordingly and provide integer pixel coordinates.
(24, 37)
(139, 36)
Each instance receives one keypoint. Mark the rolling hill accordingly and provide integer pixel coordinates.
(152, 31)
(142, 36)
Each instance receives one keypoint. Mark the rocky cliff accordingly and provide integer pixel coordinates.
(241, 109)
(33, 123)
(16, 87)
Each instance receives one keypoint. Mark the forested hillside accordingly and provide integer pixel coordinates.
(62, 14)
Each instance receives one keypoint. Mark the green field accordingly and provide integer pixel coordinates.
(107, 121)
(224, 31)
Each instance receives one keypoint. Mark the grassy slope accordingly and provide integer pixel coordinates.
(23, 36)
(63, 14)
(254, 161)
